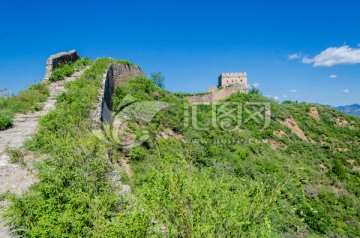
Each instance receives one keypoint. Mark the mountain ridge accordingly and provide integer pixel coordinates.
(353, 109)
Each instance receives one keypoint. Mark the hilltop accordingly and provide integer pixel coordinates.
(259, 169)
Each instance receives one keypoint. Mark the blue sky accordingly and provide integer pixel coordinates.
(277, 43)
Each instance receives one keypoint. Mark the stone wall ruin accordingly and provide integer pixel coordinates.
(61, 58)
(117, 74)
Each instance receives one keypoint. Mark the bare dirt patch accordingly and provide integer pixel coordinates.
(341, 122)
(279, 133)
(125, 165)
(356, 169)
(339, 191)
(273, 144)
(168, 133)
(314, 112)
(323, 167)
(291, 124)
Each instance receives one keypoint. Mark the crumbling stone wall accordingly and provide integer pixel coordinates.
(212, 89)
(61, 58)
(218, 95)
(116, 75)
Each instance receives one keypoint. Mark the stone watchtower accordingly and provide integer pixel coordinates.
(227, 79)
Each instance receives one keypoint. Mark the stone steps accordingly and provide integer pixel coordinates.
(13, 177)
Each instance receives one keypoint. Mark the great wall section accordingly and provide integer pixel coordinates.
(114, 76)
(16, 178)
(60, 58)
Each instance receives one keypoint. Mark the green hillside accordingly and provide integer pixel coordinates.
(299, 176)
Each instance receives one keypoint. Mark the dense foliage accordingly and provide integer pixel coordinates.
(312, 184)
(188, 182)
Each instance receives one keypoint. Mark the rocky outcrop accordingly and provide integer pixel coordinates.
(116, 75)
(61, 58)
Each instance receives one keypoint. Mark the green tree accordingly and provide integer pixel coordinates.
(158, 78)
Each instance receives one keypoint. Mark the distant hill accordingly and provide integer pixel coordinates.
(353, 109)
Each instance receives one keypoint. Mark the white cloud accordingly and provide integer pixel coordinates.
(294, 56)
(256, 85)
(276, 98)
(346, 91)
(333, 76)
(294, 91)
(285, 96)
(335, 56)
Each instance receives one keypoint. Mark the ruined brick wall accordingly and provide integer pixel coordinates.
(200, 99)
(212, 89)
(53, 61)
(217, 95)
(115, 76)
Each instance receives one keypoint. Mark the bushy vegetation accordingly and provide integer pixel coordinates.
(191, 183)
(30, 99)
(66, 70)
(313, 188)
(124, 62)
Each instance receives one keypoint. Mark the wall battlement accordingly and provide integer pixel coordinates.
(226, 79)
(233, 74)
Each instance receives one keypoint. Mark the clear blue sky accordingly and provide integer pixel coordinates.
(192, 42)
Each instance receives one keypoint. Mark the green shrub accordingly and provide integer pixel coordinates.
(5, 120)
(339, 169)
(124, 62)
(137, 153)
